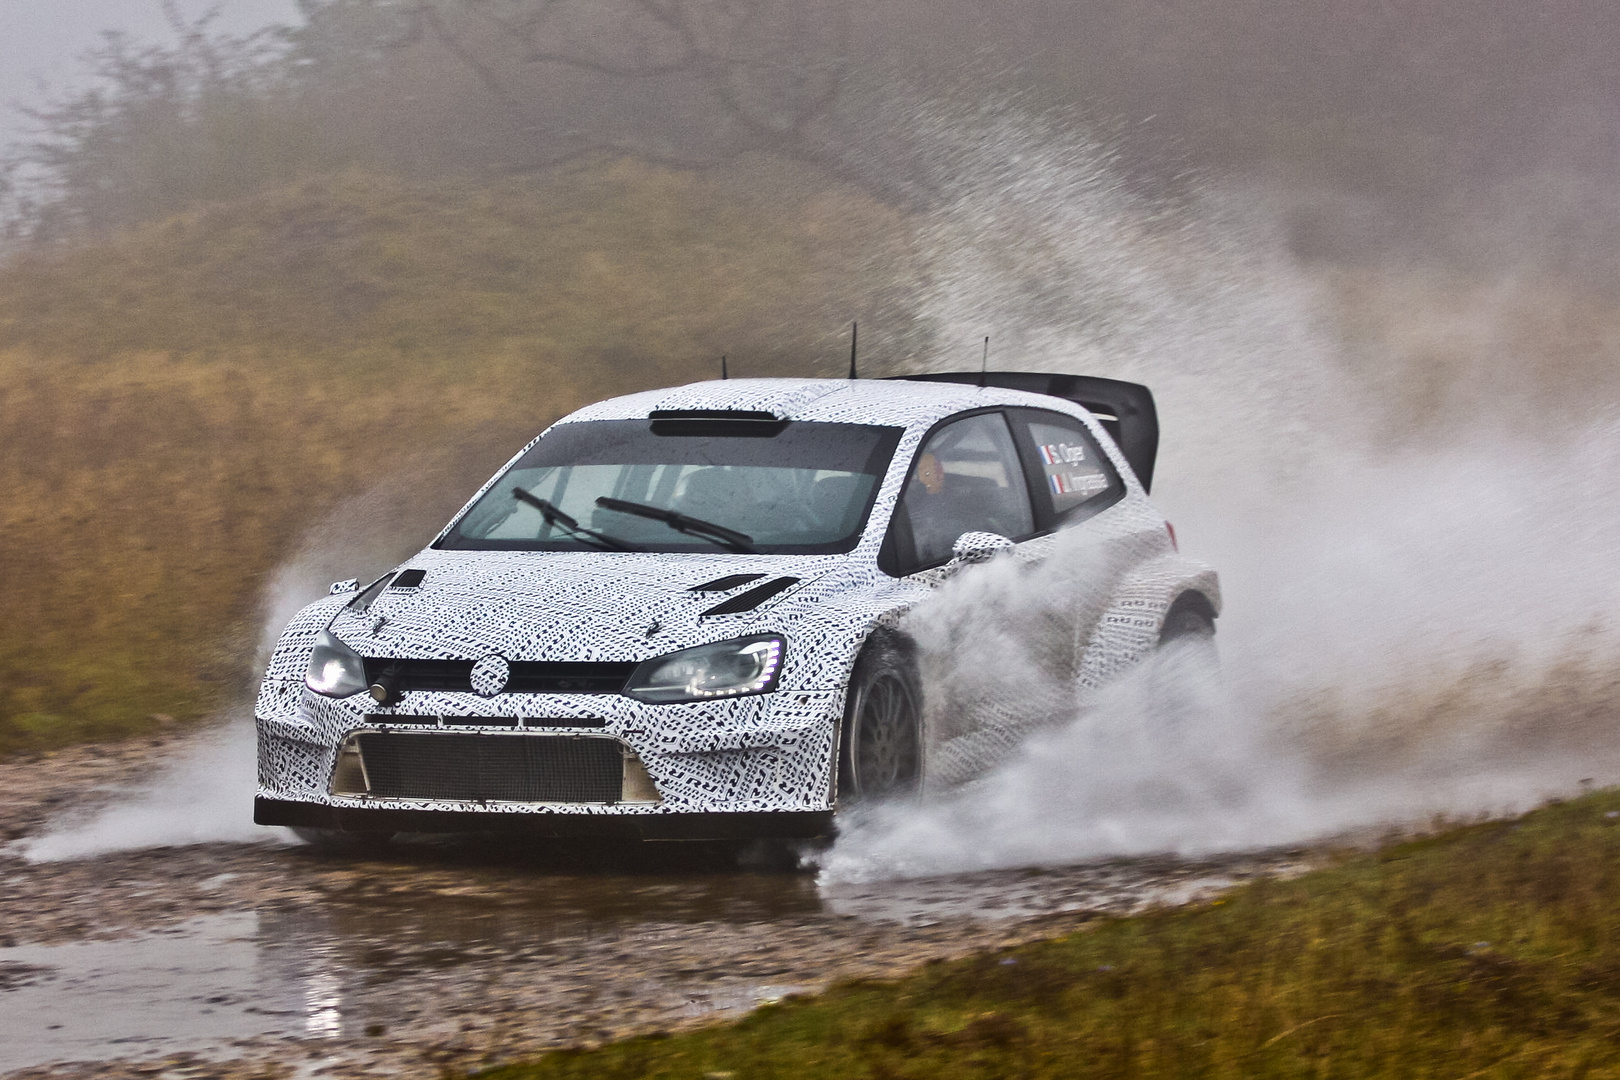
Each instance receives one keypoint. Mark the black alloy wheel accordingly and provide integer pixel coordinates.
(882, 748)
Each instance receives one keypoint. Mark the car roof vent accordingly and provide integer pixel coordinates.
(716, 423)
(748, 601)
(730, 581)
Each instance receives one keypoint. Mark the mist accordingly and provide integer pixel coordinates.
(42, 43)
(1377, 312)
(1413, 626)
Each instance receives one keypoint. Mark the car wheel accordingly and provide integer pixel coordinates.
(882, 751)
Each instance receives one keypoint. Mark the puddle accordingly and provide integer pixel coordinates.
(194, 986)
(470, 948)
(1016, 895)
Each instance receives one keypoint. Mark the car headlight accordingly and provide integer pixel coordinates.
(334, 669)
(733, 668)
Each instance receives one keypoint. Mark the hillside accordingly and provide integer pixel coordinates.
(205, 415)
(182, 404)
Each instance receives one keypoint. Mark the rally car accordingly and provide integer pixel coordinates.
(682, 614)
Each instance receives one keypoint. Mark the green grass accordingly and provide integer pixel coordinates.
(1487, 951)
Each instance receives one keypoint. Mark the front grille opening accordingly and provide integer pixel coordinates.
(464, 767)
(451, 676)
(349, 778)
(527, 676)
(561, 677)
(638, 785)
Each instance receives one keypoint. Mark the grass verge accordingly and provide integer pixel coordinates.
(1491, 950)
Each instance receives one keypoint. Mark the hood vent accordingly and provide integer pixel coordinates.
(748, 601)
(730, 581)
(408, 579)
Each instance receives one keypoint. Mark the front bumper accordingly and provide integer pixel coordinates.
(779, 824)
(741, 767)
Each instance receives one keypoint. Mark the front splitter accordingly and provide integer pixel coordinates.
(784, 824)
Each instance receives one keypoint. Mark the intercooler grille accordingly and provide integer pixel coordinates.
(515, 768)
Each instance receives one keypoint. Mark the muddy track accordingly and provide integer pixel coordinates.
(236, 960)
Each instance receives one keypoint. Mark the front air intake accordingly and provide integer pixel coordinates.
(458, 767)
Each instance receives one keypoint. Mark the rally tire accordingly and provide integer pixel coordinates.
(881, 752)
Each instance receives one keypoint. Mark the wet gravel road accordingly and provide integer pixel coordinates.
(238, 960)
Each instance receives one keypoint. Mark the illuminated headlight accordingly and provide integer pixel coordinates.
(334, 669)
(725, 669)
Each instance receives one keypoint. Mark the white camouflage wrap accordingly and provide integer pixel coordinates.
(769, 752)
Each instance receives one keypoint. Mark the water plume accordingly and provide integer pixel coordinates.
(1414, 625)
(204, 793)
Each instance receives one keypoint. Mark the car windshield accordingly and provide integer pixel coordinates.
(791, 487)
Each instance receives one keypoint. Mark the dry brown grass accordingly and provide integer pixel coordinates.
(178, 405)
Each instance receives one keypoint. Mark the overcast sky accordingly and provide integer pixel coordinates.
(40, 40)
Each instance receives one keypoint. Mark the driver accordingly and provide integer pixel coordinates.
(938, 514)
(931, 474)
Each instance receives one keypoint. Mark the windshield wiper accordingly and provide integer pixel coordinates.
(554, 516)
(730, 539)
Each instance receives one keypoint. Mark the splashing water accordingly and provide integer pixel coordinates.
(1409, 630)
(203, 795)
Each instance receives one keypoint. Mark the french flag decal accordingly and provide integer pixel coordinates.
(1058, 486)
(1050, 456)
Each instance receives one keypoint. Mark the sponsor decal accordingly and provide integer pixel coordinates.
(1077, 483)
(1062, 454)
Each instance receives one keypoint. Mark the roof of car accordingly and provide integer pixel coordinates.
(850, 401)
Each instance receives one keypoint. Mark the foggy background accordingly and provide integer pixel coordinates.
(41, 41)
(274, 303)
(1459, 130)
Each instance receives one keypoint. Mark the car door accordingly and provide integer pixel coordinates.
(967, 476)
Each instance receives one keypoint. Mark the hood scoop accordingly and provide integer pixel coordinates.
(408, 579)
(748, 601)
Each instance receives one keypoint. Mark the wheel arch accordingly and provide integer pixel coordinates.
(1196, 600)
(883, 634)
(1130, 626)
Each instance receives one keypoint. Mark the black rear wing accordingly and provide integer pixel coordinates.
(1125, 409)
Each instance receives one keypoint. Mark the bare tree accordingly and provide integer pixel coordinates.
(159, 128)
(684, 81)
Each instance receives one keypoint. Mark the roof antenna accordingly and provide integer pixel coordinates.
(854, 331)
(984, 363)
(723, 373)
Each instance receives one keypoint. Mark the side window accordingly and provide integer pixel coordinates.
(966, 478)
(1071, 470)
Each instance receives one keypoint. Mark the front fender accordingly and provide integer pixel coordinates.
(1129, 628)
(283, 681)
